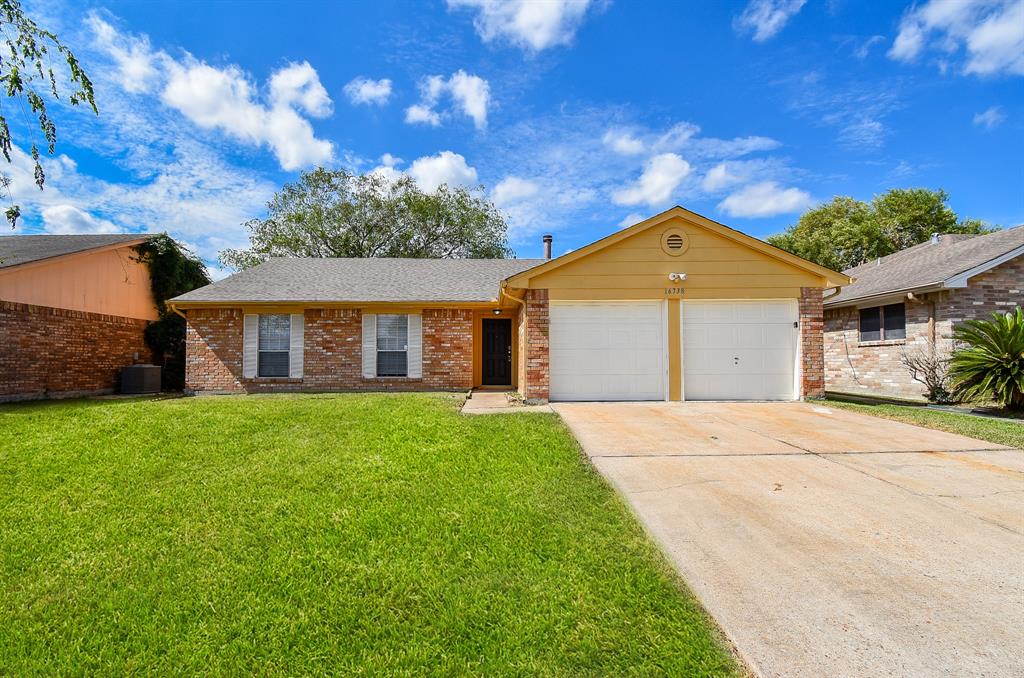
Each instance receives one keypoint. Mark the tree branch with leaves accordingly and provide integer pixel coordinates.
(27, 78)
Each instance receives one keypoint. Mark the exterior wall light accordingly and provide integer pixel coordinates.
(677, 277)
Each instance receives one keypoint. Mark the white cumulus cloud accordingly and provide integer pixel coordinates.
(470, 94)
(990, 118)
(446, 167)
(368, 91)
(765, 18)
(418, 114)
(513, 189)
(623, 142)
(661, 175)
(765, 199)
(533, 25)
(63, 219)
(719, 177)
(990, 31)
(225, 98)
(631, 219)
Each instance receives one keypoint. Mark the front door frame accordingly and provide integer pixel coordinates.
(479, 316)
(500, 326)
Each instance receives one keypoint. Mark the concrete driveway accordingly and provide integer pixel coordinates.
(825, 542)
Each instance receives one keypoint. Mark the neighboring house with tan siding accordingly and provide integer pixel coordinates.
(73, 309)
(911, 301)
(675, 307)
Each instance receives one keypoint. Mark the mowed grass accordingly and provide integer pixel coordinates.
(1000, 431)
(365, 534)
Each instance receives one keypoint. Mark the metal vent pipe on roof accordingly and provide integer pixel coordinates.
(547, 246)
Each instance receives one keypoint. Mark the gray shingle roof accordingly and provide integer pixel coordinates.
(21, 249)
(288, 279)
(927, 264)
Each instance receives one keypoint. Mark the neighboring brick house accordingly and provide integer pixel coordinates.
(73, 309)
(675, 307)
(910, 301)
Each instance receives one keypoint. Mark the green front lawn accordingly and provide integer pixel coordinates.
(319, 535)
(1000, 431)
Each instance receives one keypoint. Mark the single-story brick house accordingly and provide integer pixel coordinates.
(675, 307)
(73, 309)
(911, 301)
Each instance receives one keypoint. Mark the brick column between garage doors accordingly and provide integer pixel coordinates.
(535, 327)
(812, 343)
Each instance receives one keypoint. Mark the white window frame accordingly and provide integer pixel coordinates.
(260, 350)
(378, 350)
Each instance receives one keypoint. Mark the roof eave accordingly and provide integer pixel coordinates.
(856, 301)
(185, 304)
(66, 255)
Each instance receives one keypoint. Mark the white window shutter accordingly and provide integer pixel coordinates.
(369, 346)
(295, 356)
(414, 352)
(250, 345)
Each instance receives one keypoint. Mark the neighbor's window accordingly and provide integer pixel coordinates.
(392, 345)
(275, 341)
(883, 323)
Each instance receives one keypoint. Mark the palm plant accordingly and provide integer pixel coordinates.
(991, 363)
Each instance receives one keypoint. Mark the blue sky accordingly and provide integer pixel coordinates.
(576, 117)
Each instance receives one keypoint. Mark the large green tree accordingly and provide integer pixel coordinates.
(27, 78)
(845, 232)
(335, 213)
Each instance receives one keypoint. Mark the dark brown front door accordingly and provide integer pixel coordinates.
(497, 352)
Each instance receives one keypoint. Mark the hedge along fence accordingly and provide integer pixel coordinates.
(173, 270)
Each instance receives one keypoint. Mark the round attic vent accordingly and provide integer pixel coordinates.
(674, 242)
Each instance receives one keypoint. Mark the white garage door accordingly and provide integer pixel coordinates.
(607, 351)
(739, 350)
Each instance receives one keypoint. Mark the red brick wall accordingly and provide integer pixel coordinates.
(213, 350)
(52, 352)
(812, 354)
(535, 376)
(448, 348)
(332, 353)
(875, 367)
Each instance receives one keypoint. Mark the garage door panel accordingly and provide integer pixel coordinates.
(607, 351)
(739, 350)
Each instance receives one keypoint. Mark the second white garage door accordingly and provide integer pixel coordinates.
(739, 350)
(608, 351)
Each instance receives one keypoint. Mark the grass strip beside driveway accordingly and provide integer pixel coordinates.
(324, 534)
(1000, 431)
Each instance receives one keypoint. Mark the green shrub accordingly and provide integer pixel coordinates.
(991, 363)
(173, 270)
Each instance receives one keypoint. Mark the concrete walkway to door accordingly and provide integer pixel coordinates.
(827, 542)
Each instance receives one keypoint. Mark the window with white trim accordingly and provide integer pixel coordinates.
(883, 323)
(274, 345)
(392, 345)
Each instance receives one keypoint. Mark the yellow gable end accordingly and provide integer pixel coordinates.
(639, 267)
